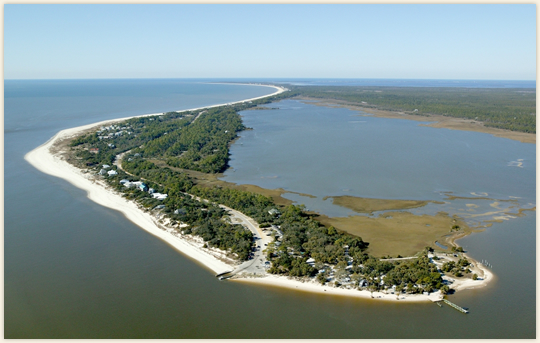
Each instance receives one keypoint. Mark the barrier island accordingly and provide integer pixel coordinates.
(160, 171)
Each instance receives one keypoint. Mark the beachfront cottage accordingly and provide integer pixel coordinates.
(112, 172)
(102, 172)
(143, 187)
(159, 196)
(106, 166)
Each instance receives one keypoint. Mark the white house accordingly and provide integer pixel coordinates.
(159, 196)
(112, 172)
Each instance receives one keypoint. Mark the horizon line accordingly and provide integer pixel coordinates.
(259, 78)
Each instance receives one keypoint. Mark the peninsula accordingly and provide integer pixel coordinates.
(141, 166)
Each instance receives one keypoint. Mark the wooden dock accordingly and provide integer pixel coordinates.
(451, 304)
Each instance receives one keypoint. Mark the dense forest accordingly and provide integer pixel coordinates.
(156, 150)
(508, 108)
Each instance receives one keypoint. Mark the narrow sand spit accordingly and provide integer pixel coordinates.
(47, 162)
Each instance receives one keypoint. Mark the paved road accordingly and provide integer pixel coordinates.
(257, 263)
(398, 258)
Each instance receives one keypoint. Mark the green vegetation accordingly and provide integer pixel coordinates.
(457, 269)
(510, 109)
(156, 150)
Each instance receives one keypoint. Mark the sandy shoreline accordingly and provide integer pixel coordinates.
(314, 287)
(43, 159)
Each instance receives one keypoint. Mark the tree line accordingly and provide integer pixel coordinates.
(504, 108)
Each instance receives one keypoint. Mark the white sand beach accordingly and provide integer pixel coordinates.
(43, 159)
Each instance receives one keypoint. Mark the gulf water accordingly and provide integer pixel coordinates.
(73, 269)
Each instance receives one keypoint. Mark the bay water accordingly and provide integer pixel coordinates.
(74, 269)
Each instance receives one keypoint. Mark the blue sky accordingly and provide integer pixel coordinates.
(495, 42)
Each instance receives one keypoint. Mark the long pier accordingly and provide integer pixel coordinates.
(451, 304)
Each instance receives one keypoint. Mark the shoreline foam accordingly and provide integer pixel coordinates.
(49, 163)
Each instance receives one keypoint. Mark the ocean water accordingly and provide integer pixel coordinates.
(74, 269)
(405, 83)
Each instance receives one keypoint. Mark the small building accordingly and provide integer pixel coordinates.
(159, 196)
(106, 166)
(94, 150)
(180, 211)
(112, 172)
(143, 187)
(273, 212)
(102, 172)
(311, 261)
(124, 181)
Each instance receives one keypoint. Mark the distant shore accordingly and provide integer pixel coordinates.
(438, 121)
(52, 163)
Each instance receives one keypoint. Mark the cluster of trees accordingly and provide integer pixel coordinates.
(415, 275)
(304, 238)
(411, 276)
(457, 268)
(251, 204)
(225, 236)
(510, 109)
